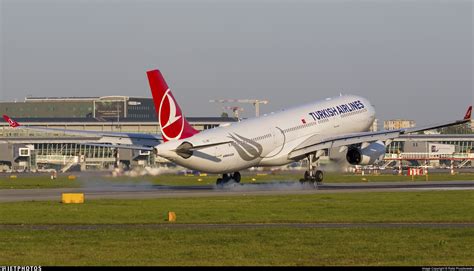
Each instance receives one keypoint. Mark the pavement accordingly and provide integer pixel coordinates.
(145, 191)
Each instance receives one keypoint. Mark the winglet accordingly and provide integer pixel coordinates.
(12, 123)
(468, 113)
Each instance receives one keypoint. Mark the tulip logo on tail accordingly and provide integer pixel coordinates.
(172, 122)
(171, 118)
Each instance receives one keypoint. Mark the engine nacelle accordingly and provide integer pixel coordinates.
(367, 155)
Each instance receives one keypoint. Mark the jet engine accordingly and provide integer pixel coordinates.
(365, 155)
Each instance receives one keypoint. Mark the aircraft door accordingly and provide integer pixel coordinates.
(278, 138)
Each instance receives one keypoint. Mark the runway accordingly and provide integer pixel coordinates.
(111, 190)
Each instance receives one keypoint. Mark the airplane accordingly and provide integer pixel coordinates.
(337, 125)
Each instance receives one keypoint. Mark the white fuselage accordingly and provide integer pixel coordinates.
(267, 140)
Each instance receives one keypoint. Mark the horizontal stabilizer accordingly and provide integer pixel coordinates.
(186, 149)
(186, 146)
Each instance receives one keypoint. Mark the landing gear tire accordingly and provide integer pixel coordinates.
(312, 175)
(312, 180)
(222, 181)
(318, 176)
(236, 177)
(306, 178)
(226, 178)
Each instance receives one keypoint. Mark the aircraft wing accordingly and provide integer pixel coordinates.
(119, 146)
(316, 143)
(119, 140)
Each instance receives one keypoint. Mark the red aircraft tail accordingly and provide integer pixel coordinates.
(173, 124)
(12, 123)
(468, 113)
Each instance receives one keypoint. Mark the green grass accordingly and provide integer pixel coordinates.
(42, 181)
(426, 206)
(274, 246)
(136, 245)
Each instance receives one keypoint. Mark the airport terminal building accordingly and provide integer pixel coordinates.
(101, 108)
(25, 150)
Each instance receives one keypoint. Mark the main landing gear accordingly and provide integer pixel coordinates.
(312, 176)
(226, 178)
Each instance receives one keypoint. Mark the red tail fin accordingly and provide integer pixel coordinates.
(172, 121)
(468, 113)
(12, 123)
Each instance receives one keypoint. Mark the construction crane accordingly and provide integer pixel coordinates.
(256, 103)
(235, 110)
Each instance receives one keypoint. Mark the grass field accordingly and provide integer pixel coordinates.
(28, 182)
(275, 246)
(137, 245)
(430, 206)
